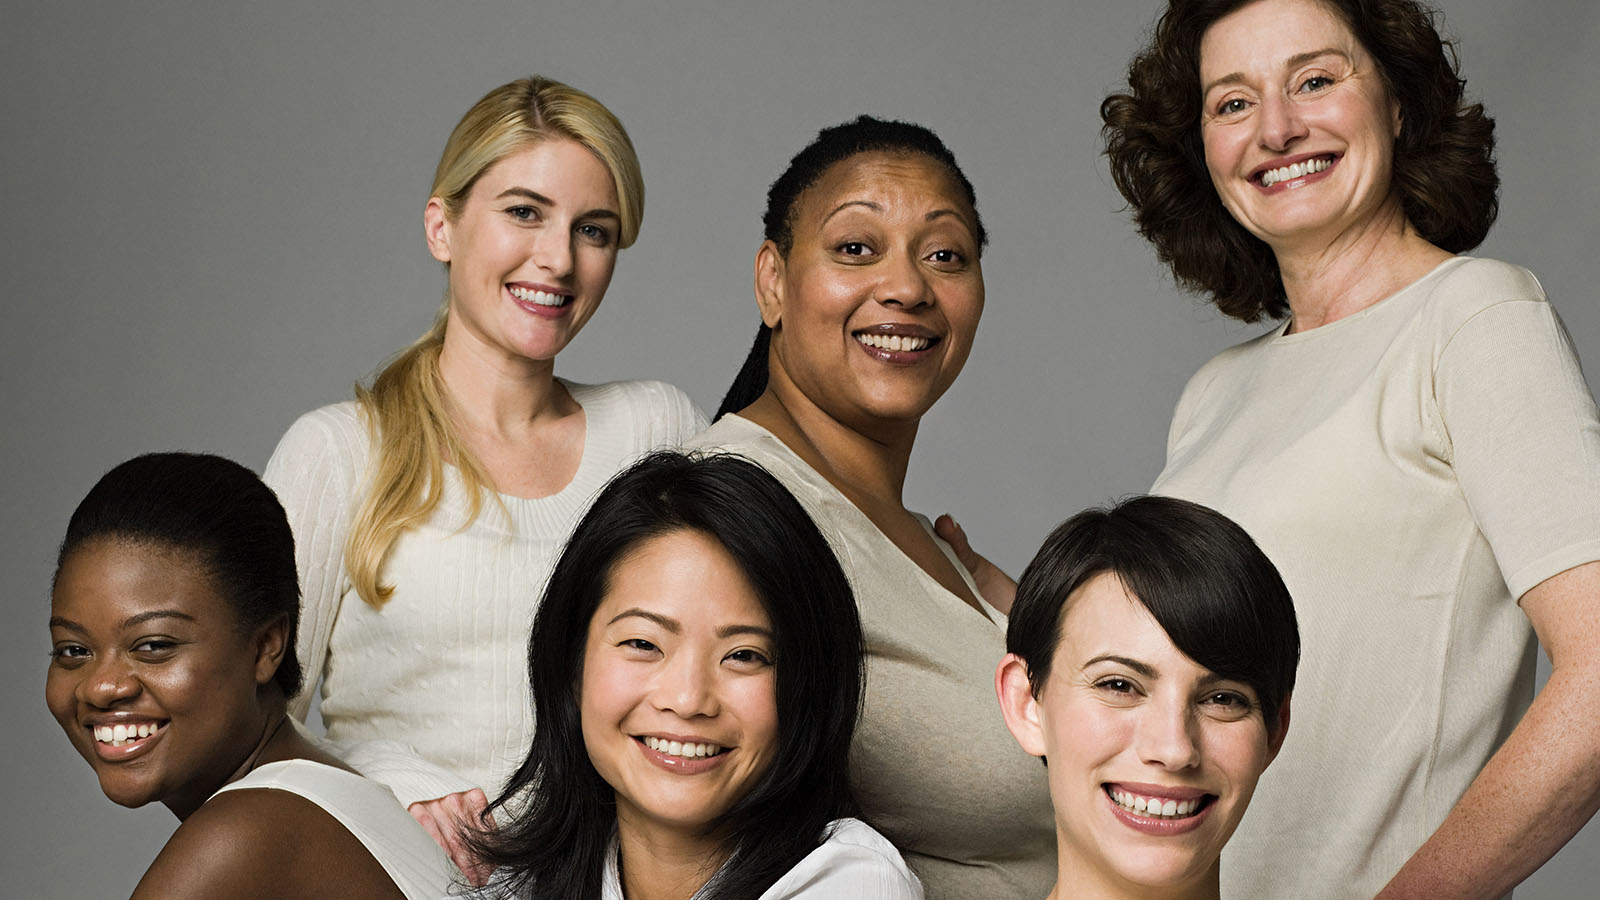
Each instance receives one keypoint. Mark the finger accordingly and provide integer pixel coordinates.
(953, 534)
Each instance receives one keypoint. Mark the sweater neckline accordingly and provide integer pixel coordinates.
(1393, 301)
(603, 427)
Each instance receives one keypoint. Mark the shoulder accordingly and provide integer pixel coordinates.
(336, 431)
(668, 412)
(853, 860)
(251, 843)
(1471, 286)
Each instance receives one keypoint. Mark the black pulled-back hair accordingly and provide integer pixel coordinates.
(835, 144)
(218, 513)
(555, 843)
(1206, 583)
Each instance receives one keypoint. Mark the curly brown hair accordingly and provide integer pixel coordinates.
(1444, 170)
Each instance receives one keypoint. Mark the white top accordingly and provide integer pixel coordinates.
(1412, 470)
(429, 694)
(855, 862)
(369, 811)
(932, 764)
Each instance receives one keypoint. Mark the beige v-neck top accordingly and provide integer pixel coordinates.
(933, 766)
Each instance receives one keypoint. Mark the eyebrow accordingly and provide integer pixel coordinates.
(1299, 59)
(129, 622)
(935, 214)
(536, 197)
(675, 627)
(1142, 668)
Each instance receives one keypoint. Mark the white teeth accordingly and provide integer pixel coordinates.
(685, 750)
(539, 297)
(894, 343)
(1154, 806)
(1295, 170)
(119, 735)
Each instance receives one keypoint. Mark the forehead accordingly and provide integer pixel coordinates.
(555, 167)
(884, 177)
(107, 580)
(1261, 35)
(1103, 617)
(686, 576)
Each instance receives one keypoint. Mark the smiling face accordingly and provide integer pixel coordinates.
(875, 306)
(151, 677)
(531, 251)
(1298, 128)
(1152, 758)
(679, 695)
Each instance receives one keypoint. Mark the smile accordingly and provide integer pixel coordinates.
(1157, 807)
(895, 343)
(1296, 170)
(681, 748)
(538, 297)
(120, 735)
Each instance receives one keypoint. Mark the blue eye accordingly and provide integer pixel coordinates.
(1315, 83)
(523, 213)
(595, 233)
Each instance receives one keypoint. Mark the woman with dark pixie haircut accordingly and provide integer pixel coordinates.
(1152, 652)
(870, 288)
(172, 623)
(1413, 445)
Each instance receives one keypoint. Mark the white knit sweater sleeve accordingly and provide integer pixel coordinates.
(317, 471)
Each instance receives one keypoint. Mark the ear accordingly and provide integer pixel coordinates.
(436, 225)
(769, 284)
(272, 641)
(1275, 741)
(1018, 705)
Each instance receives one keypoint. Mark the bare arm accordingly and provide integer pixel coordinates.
(1543, 784)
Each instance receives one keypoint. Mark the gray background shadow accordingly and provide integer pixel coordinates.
(213, 223)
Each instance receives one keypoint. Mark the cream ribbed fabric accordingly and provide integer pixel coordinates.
(442, 668)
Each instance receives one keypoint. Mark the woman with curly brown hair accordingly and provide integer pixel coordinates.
(1414, 446)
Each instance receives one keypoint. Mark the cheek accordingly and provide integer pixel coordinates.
(755, 700)
(1238, 750)
(597, 265)
(1085, 735)
(59, 689)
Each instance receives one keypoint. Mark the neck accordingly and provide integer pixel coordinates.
(664, 864)
(1327, 280)
(861, 460)
(493, 393)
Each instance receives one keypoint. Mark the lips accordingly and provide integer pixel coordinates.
(897, 342)
(540, 299)
(1158, 810)
(1293, 168)
(681, 755)
(122, 739)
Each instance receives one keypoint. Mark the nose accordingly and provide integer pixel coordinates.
(108, 681)
(903, 282)
(553, 251)
(1279, 122)
(686, 687)
(1167, 736)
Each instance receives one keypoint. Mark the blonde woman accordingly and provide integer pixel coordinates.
(428, 511)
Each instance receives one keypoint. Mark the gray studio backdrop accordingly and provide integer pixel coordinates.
(212, 223)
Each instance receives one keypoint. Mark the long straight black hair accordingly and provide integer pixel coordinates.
(560, 814)
(832, 145)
